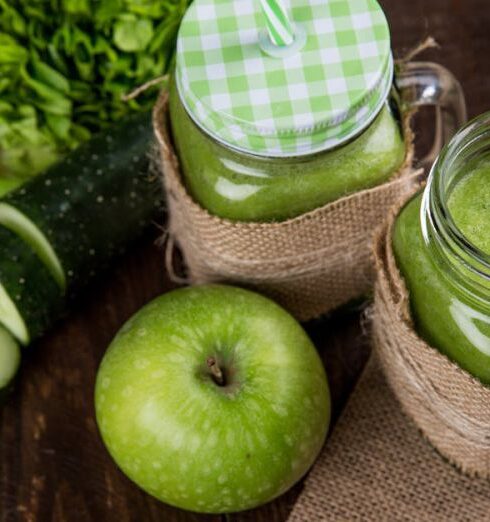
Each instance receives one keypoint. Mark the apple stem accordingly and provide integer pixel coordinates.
(216, 372)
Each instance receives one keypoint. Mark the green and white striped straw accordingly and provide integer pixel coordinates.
(279, 25)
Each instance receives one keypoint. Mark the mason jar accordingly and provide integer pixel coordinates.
(265, 134)
(441, 242)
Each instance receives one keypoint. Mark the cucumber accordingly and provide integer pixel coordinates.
(30, 298)
(9, 359)
(88, 207)
(14, 220)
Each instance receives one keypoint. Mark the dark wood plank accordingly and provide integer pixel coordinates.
(53, 466)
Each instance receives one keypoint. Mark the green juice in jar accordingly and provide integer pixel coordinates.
(244, 187)
(266, 132)
(444, 257)
(469, 205)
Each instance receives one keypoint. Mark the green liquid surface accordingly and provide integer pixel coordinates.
(243, 187)
(444, 315)
(469, 205)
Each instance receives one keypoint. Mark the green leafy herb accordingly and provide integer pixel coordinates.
(64, 66)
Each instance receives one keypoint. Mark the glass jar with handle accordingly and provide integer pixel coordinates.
(271, 123)
(287, 140)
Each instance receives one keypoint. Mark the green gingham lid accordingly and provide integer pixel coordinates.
(311, 100)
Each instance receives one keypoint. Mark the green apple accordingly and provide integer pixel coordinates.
(213, 399)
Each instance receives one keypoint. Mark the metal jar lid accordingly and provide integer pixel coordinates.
(309, 98)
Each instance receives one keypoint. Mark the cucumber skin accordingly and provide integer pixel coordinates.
(96, 201)
(29, 284)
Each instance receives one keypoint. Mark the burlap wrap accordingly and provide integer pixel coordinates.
(450, 407)
(376, 467)
(310, 264)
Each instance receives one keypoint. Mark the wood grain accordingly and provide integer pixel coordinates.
(53, 466)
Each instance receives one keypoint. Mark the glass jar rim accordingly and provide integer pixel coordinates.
(438, 226)
(358, 125)
(391, 101)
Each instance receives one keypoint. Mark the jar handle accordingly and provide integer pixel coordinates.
(431, 84)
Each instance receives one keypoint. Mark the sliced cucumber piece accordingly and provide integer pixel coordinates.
(30, 298)
(14, 220)
(9, 358)
(11, 318)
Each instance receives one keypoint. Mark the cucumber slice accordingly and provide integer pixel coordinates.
(11, 318)
(14, 220)
(93, 203)
(30, 298)
(9, 358)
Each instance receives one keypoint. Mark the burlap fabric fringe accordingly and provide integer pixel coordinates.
(310, 264)
(451, 408)
(376, 467)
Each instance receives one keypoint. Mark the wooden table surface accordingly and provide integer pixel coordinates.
(53, 466)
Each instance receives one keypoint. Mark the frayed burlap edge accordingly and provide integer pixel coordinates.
(451, 408)
(376, 467)
(310, 264)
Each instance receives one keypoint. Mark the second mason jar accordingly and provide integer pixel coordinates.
(441, 242)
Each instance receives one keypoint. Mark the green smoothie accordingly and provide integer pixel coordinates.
(443, 314)
(244, 187)
(469, 204)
